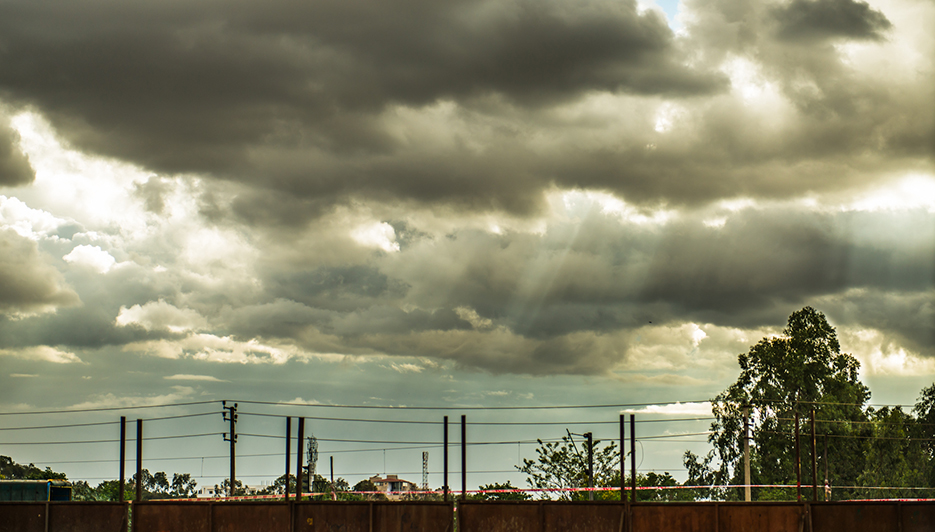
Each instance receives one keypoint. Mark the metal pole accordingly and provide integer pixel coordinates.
(590, 438)
(231, 416)
(334, 495)
(814, 461)
(623, 462)
(463, 456)
(288, 453)
(445, 480)
(798, 462)
(123, 458)
(139, 460)
(298, 461)
(746, 454)
(827, 485)
(632, 458)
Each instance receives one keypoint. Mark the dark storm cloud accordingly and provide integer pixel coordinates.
(183, 86)
(604, 276)
(907, 319)
(564, 300)
(464, 104)
(820, 19)
(14, 164)
(341, 288)
(27, 282)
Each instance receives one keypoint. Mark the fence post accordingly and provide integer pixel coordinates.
(445, 480)
(298, 461)
(463, 457)
(288, 454)
(632, 458)
(123, 457)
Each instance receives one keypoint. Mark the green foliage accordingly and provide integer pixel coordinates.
(224, 488)
(106, 491)
(780, 377)
(10, 470)
(893, 458)
(511, 495)
(560, 465)
(279, 485)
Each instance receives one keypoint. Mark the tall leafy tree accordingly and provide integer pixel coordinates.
(924, 433)
(9, 469)
(781, 377)
(560, 465)
(894, 458)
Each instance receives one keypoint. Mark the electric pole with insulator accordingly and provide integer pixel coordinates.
(230, 415)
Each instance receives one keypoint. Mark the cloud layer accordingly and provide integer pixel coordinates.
(416, 188)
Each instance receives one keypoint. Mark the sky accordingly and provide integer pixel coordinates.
(451, 205)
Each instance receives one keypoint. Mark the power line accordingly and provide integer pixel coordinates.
(106, 409)
(100, 423)
(111, 441)
(479, 423)
(450, 408)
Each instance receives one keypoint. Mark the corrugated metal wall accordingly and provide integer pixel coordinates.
(473, 516)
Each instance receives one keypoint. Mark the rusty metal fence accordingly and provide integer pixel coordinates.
(696, 517)
(63, 516)
(470, 516)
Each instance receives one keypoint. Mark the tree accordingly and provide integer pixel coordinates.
(183, 486)
(894, 458)
(224, 488)
(560, 465)
(781, 377)
(367, 485)
(278, 486)
(924, 432)
(509, 493)
(13, 471)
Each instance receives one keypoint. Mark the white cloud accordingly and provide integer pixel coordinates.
(879, 356)
(91, 256)
(915, 191)
(213, 348)
(471, 316)
(161, 315)
(42, 352)
(27, 222)
(109, 400)
(407, 368)
(185, 377)
(692, 409)
(378, 235)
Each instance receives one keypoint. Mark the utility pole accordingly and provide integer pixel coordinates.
(445, 445)
(814, 461)
(463, 457)
(746, 453)
(632, 457)
(123, 457)
(590, 438)
(139, 462)
(827, 485)
(623, 461)
(298, 460)
(230, 415)
(798, 461)
(288, 456)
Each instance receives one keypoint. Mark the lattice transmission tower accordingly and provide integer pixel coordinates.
(425, 470)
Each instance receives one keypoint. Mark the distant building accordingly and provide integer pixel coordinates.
(393, 486)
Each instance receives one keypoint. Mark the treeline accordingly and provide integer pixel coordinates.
(785, 382)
